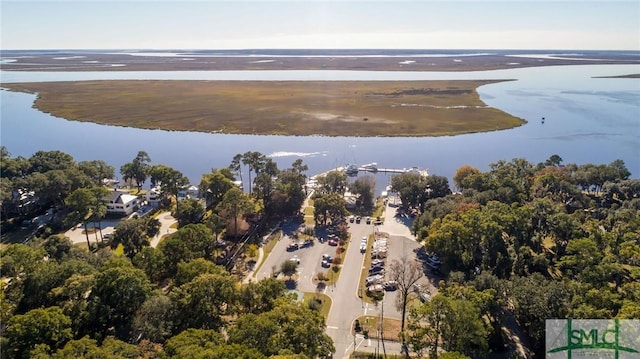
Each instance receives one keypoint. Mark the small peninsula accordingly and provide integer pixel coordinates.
(330, 108)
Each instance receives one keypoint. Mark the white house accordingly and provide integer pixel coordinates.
(154, 194)
(188, 192)
(121, 203)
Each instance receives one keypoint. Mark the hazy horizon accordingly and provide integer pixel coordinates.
(309, 24)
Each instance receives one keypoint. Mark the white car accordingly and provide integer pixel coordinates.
(375, 288)
(373, 279)
(295, 260)
(363, 247)
(377, 262)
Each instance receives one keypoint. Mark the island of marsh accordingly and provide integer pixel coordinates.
(331, 108)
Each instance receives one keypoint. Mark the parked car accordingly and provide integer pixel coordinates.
(326, 257)
(377, 262)
(390, 285)
(325, 263)
(358, 219)
(307, 243)
(373, 279)
(295, 260)
(352, 218)
(376, 270)
(432, 263)
(368, 220)
(425, 296)
(292, 247)
(375, 288)
(333, 242)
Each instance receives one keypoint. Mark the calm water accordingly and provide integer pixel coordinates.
(587, 120)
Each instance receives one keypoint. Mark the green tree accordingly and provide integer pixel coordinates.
(255, 161)
(152, 262)
(80, 203)
(333, 182)
(188, 271)
(259, 297)
(134, 234)
(39, 326)
(535, 299)
(97, 170)
(119, 292)
(363, 187)
(213, 186)
(289, 268)
(204, 302)
(406, 273)
(191, 341)
(329, 207)
(189, 211)
(136, 170)
(170, 180)
(154, 319)
(234, 205)
(288, 327)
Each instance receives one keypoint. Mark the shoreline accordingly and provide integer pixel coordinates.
(363, 60)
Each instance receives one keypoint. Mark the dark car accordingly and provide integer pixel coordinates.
(307, 243)
(390, 285)
(292, 247)
(376, 270)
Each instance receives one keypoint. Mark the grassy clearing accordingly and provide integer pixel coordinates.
(390, 327)
(308, 216)
(324, 299)
(332, 108)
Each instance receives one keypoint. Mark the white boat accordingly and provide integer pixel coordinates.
(372, 167)
(351, 169)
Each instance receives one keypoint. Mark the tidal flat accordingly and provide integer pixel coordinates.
(329, 108)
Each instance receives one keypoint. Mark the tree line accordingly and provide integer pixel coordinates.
(60, 300)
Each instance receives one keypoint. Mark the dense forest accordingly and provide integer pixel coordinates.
(519, 243)
(526, 242)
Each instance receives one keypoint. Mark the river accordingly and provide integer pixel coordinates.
(587, 120)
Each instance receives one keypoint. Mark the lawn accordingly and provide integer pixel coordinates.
(272, 240)
(332, 108)
(324, 299)
(390, 327)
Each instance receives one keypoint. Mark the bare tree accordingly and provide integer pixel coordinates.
(406, 273)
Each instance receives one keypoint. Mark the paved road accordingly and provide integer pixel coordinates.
(347, 305)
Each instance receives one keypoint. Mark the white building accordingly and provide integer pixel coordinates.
(121, 203)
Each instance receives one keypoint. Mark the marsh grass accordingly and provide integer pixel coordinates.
(331, 108)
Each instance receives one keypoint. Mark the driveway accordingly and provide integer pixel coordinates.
(77, 235)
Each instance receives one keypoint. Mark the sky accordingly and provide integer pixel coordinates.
(307, 24)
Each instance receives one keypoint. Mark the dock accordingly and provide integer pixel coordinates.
(353, 170)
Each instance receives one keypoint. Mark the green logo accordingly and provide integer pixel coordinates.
(593, 338)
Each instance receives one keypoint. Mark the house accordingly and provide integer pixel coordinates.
(188, 192)
(154, 194)
(121, 203)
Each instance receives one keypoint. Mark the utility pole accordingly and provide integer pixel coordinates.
(384, 349)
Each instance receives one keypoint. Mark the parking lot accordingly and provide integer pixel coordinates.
(309, 257)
